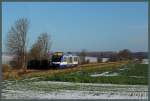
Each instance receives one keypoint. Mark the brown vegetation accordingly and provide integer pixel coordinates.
(18, 74)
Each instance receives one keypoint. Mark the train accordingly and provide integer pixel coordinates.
(58, 60)
(63, 60)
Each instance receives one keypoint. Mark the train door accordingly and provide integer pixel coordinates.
(64, 59)
(75, 60)
(70, 61)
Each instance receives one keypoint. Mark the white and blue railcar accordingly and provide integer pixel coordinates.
(62, 60)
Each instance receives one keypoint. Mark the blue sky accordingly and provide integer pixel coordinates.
(100, 26)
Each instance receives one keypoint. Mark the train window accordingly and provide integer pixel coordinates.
(70, 60)
(75, 59)
(65, 59)
(56, 58)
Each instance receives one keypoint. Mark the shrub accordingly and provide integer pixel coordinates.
(6, 68)
(14, 75)
(5, 75)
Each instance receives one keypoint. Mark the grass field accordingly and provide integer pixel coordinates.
(126, 74)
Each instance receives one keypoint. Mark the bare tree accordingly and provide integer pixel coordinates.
(40, 49)
(125, 54)
(17, 41)
(35, 51)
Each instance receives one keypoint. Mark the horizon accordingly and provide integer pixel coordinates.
(91, 52)
(77, 26)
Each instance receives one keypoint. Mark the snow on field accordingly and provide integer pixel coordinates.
(104, 74)
(71, 94)
(112, 74)
(68, 90)
(137, 76)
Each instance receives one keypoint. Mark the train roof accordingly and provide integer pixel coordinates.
(65, 54)
(69, 54)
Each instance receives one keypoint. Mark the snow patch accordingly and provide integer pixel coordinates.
(104, 74)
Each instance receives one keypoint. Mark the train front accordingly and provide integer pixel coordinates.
(56, 59)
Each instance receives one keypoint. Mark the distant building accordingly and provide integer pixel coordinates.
(104, 59)
(145, 61)
(91, 59)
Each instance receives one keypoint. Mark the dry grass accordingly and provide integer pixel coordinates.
(6, 68)
(10, 75)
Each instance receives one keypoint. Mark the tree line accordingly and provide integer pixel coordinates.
(124, 54)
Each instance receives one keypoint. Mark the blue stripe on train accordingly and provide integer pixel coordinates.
(65, 66)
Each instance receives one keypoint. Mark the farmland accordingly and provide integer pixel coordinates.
(96, 81)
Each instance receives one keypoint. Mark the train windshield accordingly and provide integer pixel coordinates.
(56, 58)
